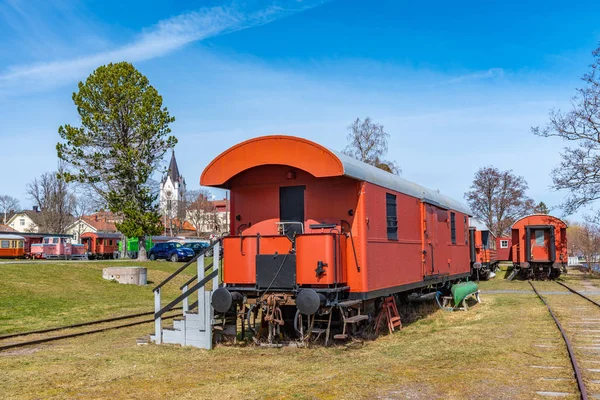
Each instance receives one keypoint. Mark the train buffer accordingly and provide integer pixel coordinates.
(389, 312)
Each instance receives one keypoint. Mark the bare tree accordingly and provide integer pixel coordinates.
(584, 241)
(368, 142)
(83, 204)
(579, 170)
(8, 204)
(498, 198)
(54, 200)
(201, 212)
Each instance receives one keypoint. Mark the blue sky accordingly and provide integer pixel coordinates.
(457, 85)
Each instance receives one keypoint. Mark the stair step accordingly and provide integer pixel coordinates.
(349, 303)
(340, 336)
(318, 330)
(172, 336)
(355, 319)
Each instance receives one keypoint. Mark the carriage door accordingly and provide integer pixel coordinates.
(541, 244)
(291, 209)
(431, 238)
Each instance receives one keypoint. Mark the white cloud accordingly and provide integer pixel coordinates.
(164, 37)
(491, 73)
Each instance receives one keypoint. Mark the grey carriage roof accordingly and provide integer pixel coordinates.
(365, 172)
(9, 236)
(478, 224)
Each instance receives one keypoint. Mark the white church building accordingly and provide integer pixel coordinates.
(172, 190)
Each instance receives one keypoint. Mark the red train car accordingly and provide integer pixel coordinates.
(483, 250)
(539, 247)
(11, 245)
(503, 246)
(101, 245)
(314, 231)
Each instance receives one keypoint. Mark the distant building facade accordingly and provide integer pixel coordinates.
(26, 220)
(102, 221)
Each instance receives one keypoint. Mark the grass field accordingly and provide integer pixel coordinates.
(487, 352)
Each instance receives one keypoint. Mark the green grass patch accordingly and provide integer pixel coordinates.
(41, 295)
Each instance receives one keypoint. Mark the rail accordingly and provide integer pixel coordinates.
(75, 334)
(187, 291)
(576, 369)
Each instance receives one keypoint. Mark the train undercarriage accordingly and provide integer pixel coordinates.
(540, 271)
(308, 316)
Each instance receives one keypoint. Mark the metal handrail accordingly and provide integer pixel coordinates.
(193, 278)
(179, 270)
(184, 295)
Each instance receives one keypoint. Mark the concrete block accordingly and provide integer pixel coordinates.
(126, 275)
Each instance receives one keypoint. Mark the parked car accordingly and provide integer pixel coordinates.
(201, 246)
(171, 251)
(198, 247)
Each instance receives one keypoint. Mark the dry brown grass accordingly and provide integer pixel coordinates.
(486, 352)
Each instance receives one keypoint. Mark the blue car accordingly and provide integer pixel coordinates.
(171, 251)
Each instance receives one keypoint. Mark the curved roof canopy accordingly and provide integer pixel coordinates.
(545, 218)
(317, 161)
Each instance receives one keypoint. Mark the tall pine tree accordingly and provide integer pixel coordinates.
(122, 139)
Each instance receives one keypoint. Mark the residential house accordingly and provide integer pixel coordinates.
(26, 220)
(102, 221)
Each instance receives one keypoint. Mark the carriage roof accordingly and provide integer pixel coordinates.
(318, 161)
(10, 236)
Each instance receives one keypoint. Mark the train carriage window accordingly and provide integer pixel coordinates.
(539, 237)
(391, 216)
(453, 227)
(5, 244)
(20, 244)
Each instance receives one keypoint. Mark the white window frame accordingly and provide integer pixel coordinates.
(504, 244)
(5, 244)
(22, 221)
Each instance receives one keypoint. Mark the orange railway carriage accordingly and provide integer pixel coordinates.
(11, 246)
(101, 245)
(539, 248)
(483, 250)
(315, 227)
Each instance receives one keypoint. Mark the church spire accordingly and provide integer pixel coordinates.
(173, 171)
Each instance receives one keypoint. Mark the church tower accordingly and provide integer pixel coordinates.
(172, 190)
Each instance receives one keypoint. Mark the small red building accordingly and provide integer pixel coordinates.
(503, 245)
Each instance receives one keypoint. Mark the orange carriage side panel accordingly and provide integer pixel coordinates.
(391, 262)
(458, 261)
(326, 248)
(239, 255)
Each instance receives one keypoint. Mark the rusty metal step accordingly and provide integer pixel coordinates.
(349, 303)
(355, 319)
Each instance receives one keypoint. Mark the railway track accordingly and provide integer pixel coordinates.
(578, 320)
(14, 340)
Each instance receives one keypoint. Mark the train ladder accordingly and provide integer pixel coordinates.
(389, 312)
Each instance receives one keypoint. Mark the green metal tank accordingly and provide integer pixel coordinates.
(462, 290)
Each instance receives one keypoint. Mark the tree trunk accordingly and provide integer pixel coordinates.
(142, 256)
